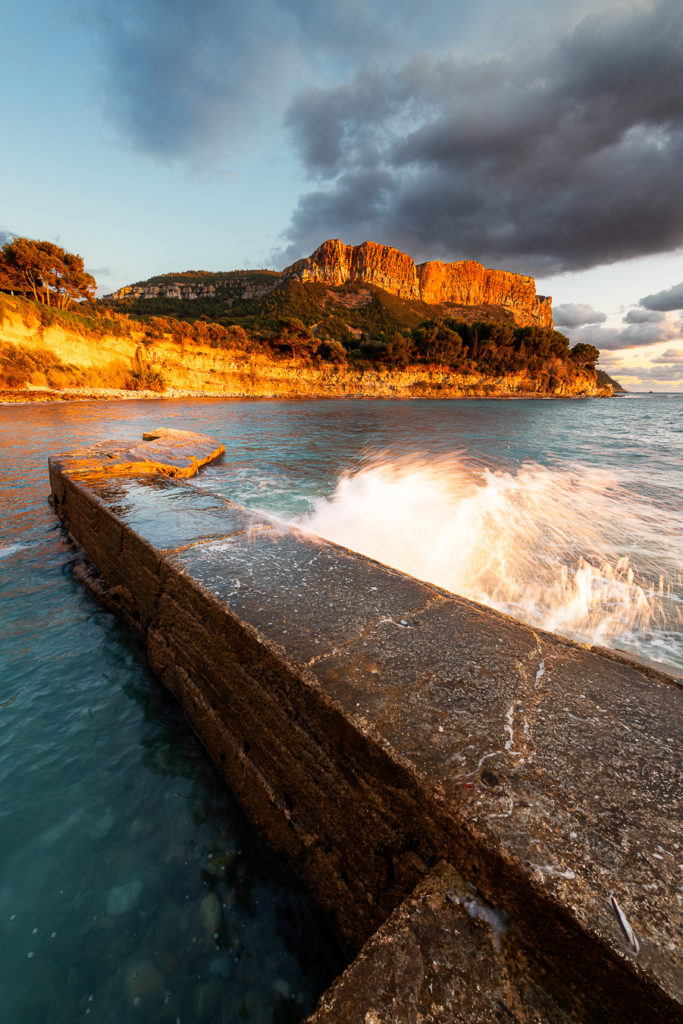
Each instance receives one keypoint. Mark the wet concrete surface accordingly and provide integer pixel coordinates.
(167, 513)
(168, 452)
(446, 955)
(374, 725)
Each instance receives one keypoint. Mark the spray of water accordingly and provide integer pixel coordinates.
(549, 546)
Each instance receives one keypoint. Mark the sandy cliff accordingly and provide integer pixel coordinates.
(199, 368)
(465, 283)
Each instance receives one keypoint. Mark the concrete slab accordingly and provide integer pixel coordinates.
(557, 769)
(275, 579)
(176, 453)
(169, 514)
(445, 954)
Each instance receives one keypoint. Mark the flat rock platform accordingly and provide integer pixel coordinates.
(488, 813)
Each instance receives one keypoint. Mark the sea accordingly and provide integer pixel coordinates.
(132, 887)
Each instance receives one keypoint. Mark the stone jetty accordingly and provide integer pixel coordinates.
(486, 812)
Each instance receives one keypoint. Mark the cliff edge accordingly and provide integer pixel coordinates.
(464, 283)
(46, 352)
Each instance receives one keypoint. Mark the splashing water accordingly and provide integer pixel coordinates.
(567, 550)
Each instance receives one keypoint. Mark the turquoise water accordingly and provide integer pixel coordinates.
(131, 886)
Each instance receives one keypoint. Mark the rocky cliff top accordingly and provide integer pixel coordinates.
(201, 284)
(464, 283)
(460, 284)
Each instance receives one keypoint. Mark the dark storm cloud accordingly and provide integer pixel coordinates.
(650, 374)
(576, 314)
(540, 163)
(672, 373)
(667, 300)
(604, 338)
(184, 77)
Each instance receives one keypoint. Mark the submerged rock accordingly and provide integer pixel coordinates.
(206, 1000)
(210, 912)
(98, 828)
(123, 898)
(222, 864)
(221, 967)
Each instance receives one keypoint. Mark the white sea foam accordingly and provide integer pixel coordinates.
(11, 549)
(547, 545)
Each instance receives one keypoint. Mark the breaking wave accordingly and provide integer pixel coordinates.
(567, 550)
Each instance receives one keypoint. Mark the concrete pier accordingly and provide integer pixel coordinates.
(487, 812)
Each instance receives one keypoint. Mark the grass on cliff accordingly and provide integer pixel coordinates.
(222, 280)
(89, 319)
(362, 307)
(605, 381)
(40, 368)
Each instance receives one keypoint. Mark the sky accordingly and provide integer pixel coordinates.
(154, 136)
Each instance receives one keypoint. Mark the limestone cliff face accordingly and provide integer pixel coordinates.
(468, 283)
(465, 283)
(172, 290)
(229, 286)
(335, 263)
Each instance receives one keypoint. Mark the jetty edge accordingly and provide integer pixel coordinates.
(485, 811)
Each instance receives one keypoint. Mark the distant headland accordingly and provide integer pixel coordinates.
(464, 283)
(347, 321)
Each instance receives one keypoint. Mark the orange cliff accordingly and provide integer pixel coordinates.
(465, 283)
(92, 363)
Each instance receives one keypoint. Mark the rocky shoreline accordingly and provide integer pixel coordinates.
(23, 397)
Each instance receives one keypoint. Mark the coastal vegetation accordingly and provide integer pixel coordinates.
(53, 276)
(254, 319)
(485, 348)
(362, 325)
(480, 354)
(605, 381)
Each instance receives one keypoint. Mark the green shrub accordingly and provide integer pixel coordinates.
(147, 379)
(332, 351)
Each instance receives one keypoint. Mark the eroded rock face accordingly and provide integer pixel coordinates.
(172, 290)
(335, 263)
(227, 286)
(200, 369)
(463, 283)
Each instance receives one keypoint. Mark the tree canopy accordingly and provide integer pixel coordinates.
(585, 355)
(52, 275)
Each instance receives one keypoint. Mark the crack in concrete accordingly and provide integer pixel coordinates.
(368, 630)
(203, 541)
(521, 714)
(483, 758)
